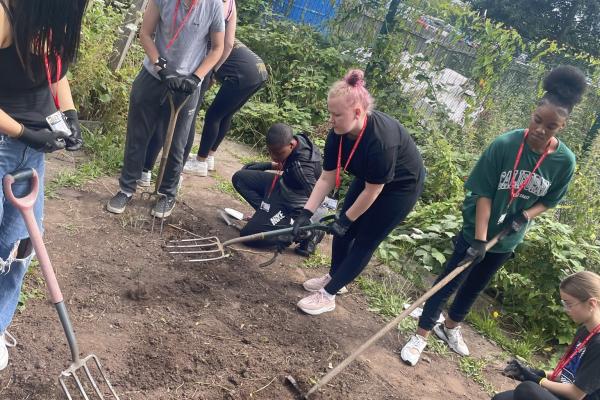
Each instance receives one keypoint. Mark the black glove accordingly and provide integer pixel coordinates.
(516, 222)
(171, 78)
(301, 220)
(340, 225)
(43, 140)
(190, 83)
(75, 141)
(516, 370)
(258, 166)
(476, 252)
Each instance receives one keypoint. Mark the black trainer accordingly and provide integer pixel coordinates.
(307, 247)
(163, 207)
(118, 203)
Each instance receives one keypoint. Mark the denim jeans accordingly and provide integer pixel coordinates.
(15, 155)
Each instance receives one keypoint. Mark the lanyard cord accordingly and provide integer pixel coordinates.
(183, 22)
(572, 352)
(54, 93)
(338, 179)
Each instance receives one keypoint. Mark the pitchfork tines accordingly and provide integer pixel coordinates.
(72, 373)
(201, 248)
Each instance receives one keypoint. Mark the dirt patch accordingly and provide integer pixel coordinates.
(221, 330)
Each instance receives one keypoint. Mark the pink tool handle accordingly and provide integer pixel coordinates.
(25, 206)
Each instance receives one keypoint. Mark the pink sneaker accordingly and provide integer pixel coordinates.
(316, 284)
(317, 303)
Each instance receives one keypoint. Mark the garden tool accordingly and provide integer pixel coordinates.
(392, 324)
(176, 103)
(79, 373)
(211, 248)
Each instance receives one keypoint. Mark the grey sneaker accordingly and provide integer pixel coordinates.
(118, 203)
(145, 179)
(453, 337)
(163, 207)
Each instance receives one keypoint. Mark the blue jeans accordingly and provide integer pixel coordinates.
(469, 284)
(15, 155)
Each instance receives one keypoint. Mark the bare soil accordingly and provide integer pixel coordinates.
(226, 329)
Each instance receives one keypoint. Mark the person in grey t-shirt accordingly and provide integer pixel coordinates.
(175, 36)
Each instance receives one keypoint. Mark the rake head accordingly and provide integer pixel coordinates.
(198, 249)
(79, 377)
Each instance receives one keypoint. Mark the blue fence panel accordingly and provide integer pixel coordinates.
(311, 12)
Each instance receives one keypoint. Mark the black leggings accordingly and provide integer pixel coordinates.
(352, 252)
(527, 391)
(229, 99)
(469, 285)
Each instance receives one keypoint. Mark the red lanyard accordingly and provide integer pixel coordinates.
(338, 179)
(54, 93)
(570, 353)
(276, 178)
(514, 192)
(178, 30)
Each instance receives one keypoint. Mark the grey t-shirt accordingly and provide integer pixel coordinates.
(191, 46)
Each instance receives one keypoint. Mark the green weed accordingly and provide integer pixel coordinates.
(473, 369)
(317, 260)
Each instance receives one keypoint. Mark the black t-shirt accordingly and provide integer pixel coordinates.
(243, 67)
(26, 97)
(584, 369)
(386, 154)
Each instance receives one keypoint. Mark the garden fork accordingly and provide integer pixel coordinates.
(25, 206)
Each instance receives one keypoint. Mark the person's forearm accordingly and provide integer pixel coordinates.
(566, 390)
(364, 200)
(8, 125)
(483, 210)
(65, 98)
(322, 188)
(209, 61)
(149, 46)
(535, 210)
(226, 52)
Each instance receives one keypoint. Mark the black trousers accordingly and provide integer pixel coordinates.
(217, 121)
(352, 252)
(254, 186)
(149, 113)
(469, 284)
(527, 391)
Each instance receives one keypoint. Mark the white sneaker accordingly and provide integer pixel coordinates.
(145, 179)
(195, 167)
(210, 160)
(453, 337)
(180, 183)
(317, 303)
(316, 284)
(4, 344)
(411, 352)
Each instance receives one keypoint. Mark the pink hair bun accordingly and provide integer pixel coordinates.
(355, 77)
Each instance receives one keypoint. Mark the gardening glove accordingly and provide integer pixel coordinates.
(190, 83)
(171, 78)
(301, 220)
(475, 253)
(516, 222)
(340, 225)
(258, 166)
(516, 370)
(43, 140)
(75, 141)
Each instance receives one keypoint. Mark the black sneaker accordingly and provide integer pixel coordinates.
(307, 247)
(164, 207)
(118, 203)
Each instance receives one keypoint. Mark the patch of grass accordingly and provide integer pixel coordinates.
(106, 156)
(488, 325)
(254, 158)
(473, 368)
(385, 298)
(33, 285)
(224, 185)
(317, 260)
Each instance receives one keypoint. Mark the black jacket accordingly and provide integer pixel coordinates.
(301, 171)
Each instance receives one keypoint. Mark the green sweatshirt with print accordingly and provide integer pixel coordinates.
(491, 178)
